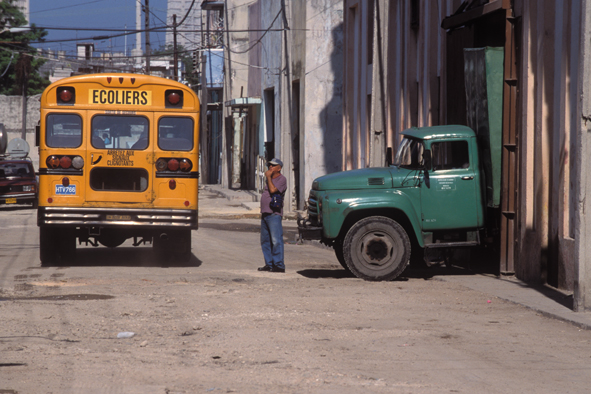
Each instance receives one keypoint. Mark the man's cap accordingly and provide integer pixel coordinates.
(276, 161)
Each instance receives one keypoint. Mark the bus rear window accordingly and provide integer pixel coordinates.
(120, 132)
(175, 133)
(63, 131)
(119, 179)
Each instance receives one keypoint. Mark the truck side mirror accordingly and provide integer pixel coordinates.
(427, 159)
(389, 157)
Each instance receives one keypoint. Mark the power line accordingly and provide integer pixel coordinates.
(261, 37)
(67, 6)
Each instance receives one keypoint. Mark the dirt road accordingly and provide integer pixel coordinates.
(218, 325)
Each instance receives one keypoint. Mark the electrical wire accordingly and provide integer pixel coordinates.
(67, 6)
(9, 63)
(261, 37)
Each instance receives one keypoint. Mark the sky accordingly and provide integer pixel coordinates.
(102, 14)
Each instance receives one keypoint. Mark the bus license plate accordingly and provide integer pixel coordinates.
(11, 201)
(62, 190)
(118, 217)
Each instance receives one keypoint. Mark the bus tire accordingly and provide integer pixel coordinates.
(47, 246)
(160, 248)
(377, 248)
(67, 245)
(182, 251)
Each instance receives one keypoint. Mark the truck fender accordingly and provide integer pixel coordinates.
(342, 208)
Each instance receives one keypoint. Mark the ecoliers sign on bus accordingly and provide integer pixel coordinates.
(120, 97)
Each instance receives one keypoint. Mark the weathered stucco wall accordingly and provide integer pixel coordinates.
(322, 124)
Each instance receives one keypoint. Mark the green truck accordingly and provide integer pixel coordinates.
(434, 198)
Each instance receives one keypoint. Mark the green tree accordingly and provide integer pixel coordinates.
(18, 59)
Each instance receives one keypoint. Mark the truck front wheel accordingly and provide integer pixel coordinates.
(377, 248)
(339, 252)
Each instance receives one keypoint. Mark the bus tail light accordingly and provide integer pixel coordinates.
(173, 164)
(185, 165)
(66, 95)
(65, 162)
(53, 162)
(66, 181)
(161, 165)
(172, 184)
(78, 162)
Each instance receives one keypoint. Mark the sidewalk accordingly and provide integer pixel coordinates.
(545, 300)
(217, 202)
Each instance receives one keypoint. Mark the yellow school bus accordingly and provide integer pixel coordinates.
(118, 160)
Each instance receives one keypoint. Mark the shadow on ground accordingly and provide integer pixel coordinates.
(125, 257)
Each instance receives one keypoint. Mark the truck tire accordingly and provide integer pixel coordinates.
(338, 251)
(377, 248)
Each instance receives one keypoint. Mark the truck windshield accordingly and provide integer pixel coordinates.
(410, 154)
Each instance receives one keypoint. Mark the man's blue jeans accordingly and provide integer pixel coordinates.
(272, 240)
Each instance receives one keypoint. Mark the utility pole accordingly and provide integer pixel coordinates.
(147, 19)
(23, 69)
(582, 290)
(176, 67)
(204, 133)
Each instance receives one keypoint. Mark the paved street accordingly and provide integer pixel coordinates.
(216, 324)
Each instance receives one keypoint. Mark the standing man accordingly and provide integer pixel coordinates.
(271, 227)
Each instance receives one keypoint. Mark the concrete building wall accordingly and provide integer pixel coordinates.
(294, 63)
(189, 35)
(322, 108)
(549, 82)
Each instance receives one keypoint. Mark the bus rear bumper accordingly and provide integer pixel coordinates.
(117, 217)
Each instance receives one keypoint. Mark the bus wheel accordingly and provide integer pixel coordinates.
(174, 245)
(47, 246)
(67, 245)
(57, 246)
(160, 248)
(182, 251)
(377, 248)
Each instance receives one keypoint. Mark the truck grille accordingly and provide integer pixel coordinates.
(313, 209)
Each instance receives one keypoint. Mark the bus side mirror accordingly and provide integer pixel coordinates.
(37, 131)
(427, 160)
(389, 157)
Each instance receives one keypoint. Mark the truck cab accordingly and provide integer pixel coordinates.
(430, 198)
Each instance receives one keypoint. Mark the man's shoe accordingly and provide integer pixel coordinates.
(265, 268)
(275, 269)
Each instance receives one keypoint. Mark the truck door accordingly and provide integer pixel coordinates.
(449, 198)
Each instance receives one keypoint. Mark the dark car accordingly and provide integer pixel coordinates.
(18, 184)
